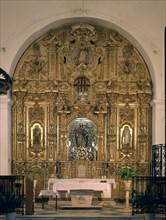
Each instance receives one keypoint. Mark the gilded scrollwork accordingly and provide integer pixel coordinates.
(126, 114)
(81, 71)
(83, 32)
(36, 112)
(20, 131)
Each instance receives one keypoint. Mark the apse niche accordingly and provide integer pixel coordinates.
(81, 98)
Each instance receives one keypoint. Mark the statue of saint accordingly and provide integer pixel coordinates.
(36, 136)
(126, 137)
(82, 56)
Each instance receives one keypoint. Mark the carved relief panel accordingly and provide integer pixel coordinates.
(88, 73)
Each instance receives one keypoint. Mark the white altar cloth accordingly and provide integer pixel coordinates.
(46, 192)
(104, 185)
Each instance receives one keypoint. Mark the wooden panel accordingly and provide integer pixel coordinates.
(29, 205)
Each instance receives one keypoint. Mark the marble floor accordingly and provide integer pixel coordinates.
(109, 210)
(98, 209)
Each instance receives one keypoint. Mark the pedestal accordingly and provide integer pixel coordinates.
(81, 197)
(127, 197)
(127, 185)
(10, 216)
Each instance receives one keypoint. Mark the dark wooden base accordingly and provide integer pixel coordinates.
(81, 207)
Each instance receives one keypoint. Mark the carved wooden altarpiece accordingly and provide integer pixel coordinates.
(81, 106)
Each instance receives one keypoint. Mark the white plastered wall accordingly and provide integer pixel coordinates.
(141, 22)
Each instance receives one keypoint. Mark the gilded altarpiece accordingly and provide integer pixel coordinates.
(81, 106)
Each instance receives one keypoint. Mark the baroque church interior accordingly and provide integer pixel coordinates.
(83, 97)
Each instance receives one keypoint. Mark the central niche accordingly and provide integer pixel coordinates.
(81, 141)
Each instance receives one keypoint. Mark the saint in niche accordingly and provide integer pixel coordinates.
(82, 56)
(81, 139)
(36, 136)
(126, 137)
(81, 136)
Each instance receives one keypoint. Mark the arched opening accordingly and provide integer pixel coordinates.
(82, 140)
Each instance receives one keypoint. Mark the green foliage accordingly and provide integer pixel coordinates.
(126, 173)
(10, 201)
(146, 201)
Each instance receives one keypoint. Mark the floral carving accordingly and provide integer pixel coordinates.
(36, 112)
(80, 71)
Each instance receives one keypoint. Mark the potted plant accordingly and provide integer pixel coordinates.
(10, 202)
(126, 173)
(146, 202)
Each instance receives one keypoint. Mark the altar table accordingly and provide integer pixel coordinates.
(81, 197)
(104, 185)
(48, 193)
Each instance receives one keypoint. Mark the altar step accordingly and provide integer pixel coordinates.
(82, 218)
(80, 208)
(95, 202)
